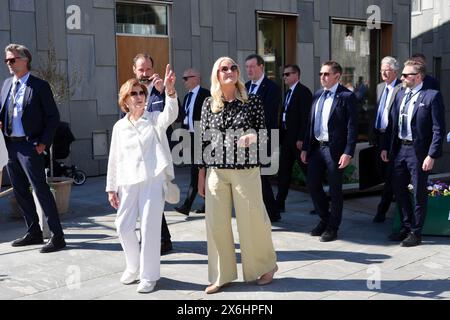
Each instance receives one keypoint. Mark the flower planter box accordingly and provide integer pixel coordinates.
(437, 220)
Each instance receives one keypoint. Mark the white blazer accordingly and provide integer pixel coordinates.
(141, 151)
(3, 152)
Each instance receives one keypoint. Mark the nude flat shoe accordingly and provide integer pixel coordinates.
(212, 288)
(267, 277)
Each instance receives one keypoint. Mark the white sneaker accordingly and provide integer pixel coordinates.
(128, 277)
(146, 286)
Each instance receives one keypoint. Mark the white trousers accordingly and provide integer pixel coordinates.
(146, 201)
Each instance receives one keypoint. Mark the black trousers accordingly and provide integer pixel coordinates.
(385, 170)
(165, 234)
(408, 169)
(193, 186)
(25, 167)
(319, 162)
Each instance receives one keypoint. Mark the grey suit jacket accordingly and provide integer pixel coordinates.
(380, 89)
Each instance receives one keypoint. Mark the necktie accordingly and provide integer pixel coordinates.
(381, 108)
(318, 119)
(186, 107)
(286, 101)
(252, 87)
(404, 116)
(12, 102)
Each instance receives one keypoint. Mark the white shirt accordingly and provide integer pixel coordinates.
(326, 113)
(385, 116)
(286, 102)
(17, 128)
(415, 95)
(257, 83)
(189, 118)
(141, 151)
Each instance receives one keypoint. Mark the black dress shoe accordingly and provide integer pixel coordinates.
(54, 244)
(201, 210)
(411, 240)
(166, 246)
(329, 235)
(318, 230)
(28, 239)
(399, 236)
(379, 218)
(275, 217)
(182, 210)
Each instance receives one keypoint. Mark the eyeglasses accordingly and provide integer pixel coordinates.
(287, 74)
(135, 93)
(11, 60)
(325, 74)
(233, 68)
(386, 70)
(187, 77)
(405, 75)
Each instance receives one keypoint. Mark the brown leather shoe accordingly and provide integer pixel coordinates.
(267, 277)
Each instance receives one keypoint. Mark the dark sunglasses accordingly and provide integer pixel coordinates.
(233, 68)
(325, 74)
(287, 74)
(135, 93)
(405, 75)
(187, 77)
(12, 60)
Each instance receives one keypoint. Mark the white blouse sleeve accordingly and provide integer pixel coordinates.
(111, 177)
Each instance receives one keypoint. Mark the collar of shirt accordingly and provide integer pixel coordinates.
(258, 83)
(22, 80)
(415, 89)
(195, 90)
(391, 85)
(332, 90)
(293, 87)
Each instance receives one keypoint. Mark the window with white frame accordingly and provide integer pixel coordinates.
(416, 6)
(141, 19)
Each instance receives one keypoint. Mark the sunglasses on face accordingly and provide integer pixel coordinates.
(405, 75)
(287, 74)
(325, 74)
(135, 93)
(11, 60)
(233, 68)
(187, 78)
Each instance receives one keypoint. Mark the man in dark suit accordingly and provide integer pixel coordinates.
(144, 72)
(329, 146)
(29, 118)
(270, 95)
(293, 123)
(429, 82)
(189, 115)
(386, 92)
(414, 139)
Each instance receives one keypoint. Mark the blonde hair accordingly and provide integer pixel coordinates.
(216, 90)
(125, 90)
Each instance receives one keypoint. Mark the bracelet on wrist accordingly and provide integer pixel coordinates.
(171, 93)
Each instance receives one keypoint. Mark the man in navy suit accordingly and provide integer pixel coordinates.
(293, 123)
(270, 95)
(189, 115)
(414, 139)
(29, 118)
(386, 92)
(329, 145)
(144, 72)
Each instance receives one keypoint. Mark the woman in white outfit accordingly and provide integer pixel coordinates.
(139, 166)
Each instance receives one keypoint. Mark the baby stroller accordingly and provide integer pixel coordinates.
(61, 150)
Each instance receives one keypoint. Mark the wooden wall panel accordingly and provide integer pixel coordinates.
(129, 46)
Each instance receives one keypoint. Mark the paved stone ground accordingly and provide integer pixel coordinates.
(348, 268)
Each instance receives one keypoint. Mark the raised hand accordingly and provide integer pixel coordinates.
(169, 79)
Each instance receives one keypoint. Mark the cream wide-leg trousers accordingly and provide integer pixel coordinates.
(241, 188)
(146, 201)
